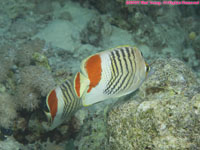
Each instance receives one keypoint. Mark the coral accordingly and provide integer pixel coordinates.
(164, 113)
(192, 35)
(66, 16)
(26, 50)
(43, 7)
(169, 75)
(7, 57)
(34, 82)
(23, 29)
(196, 46)
(32, 129)
(2, 88)
(92, 33)
(41, 60)
(10, 144)
(93, 135)
(48, 145)
(27, 97)
(190, 57)
(96, 32)
(3, 72)
(15, 8)
(54, 146)
(158, 124)
(7, 110)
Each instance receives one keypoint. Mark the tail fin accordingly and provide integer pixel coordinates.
(48, 115)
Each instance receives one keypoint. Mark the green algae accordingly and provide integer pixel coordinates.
(41, 60)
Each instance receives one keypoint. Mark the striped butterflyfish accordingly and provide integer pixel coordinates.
(111, 73)
(62, 102)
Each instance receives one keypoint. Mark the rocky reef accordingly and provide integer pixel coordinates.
(163, 114)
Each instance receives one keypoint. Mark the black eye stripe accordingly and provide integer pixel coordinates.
(147, 68)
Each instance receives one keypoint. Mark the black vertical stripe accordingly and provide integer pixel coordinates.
(66, 102)
(132, 71)
(69, 101)
(119, 55)
(67, 93)
(115, 63)
(121, 86)
(74, 100)
(120, 67)
(133, 62)
(113, 66)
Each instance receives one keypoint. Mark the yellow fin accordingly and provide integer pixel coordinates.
(123, 46)
(47, 100)
(83, 70)
(48, 115)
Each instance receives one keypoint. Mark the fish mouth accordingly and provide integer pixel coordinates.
(151, 70)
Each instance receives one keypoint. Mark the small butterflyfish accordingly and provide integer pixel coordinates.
(62, 102)
(111, 73)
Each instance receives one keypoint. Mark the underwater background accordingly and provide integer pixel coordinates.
(43, 43)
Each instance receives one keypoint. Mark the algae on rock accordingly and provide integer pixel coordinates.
(93, 135)
(164, 114)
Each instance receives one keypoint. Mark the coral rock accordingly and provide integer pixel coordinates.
(7, 110)
(164, 114)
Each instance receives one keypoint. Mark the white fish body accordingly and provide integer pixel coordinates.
(111, 73)
(61, 102)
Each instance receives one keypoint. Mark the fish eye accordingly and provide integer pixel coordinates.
(147, 68)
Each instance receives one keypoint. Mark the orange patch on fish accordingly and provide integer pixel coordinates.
(77, 84)
(93, 67)
(53, 103)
